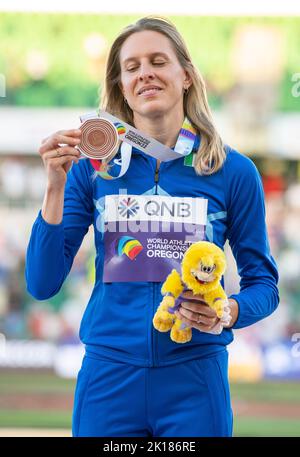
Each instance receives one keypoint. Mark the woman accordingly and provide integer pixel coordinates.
(135, 381)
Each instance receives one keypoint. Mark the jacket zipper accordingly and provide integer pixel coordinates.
(156, 177)
(154, 359)
(153, 329)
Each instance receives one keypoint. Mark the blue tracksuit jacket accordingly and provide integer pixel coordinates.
(117, 323)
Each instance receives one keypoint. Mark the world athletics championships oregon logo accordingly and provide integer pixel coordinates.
(120, 128)
(128, 207)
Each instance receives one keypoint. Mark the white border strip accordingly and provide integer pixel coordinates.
(170, 7)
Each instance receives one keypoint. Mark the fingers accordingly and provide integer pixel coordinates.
(204, 325)
(198, 318)
(70, 133)
(190, 296)
(199, 307)
(56, 163)
(61, 156)
(62, 151)
(68, 137)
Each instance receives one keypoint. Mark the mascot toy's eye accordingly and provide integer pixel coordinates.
(206, 269)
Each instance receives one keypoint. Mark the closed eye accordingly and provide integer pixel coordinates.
(132, 68)
(156, 64)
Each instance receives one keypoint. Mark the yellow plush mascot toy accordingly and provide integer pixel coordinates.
(203, 265)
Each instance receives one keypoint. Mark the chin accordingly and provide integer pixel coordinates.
(153, 109)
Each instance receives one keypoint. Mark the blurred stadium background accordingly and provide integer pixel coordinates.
(51, 67)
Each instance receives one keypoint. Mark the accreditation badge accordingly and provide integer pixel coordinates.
(146, 236)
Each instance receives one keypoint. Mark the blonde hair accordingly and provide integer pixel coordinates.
(211, 154)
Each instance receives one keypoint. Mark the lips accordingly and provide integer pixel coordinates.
(149, 90)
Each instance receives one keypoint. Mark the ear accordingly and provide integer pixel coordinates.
(187, 80)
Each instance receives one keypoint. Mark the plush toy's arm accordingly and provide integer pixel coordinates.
(173, 284)
(216, 299)
(171, 289)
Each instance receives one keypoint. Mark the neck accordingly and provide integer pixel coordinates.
(164, 128)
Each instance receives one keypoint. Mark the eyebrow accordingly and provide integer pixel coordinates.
(152, 55)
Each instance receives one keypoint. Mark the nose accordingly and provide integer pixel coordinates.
(146, 72)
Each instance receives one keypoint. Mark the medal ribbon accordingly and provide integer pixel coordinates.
(102, 133)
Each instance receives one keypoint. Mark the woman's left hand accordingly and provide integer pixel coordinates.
(195, 312)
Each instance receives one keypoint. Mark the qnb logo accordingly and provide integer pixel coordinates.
(2, 85)
(179, 209)
(128, 207)
(296, 86)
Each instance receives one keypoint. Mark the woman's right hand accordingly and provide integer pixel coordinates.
(58, 152)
